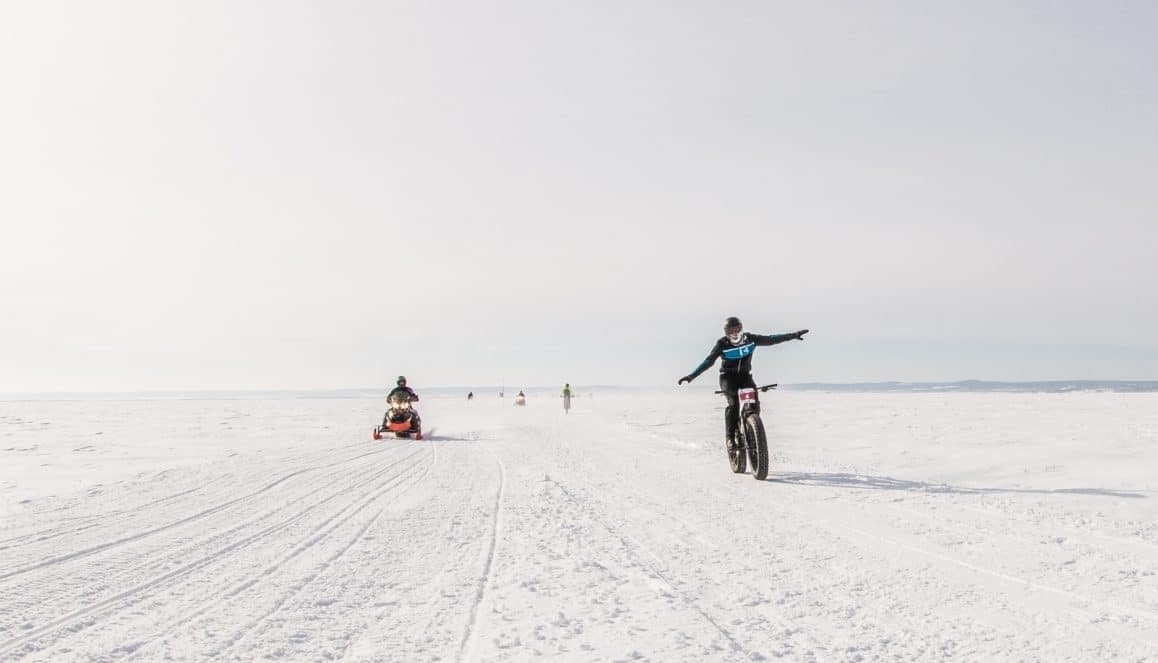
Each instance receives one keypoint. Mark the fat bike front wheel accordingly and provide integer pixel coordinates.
(757, 445)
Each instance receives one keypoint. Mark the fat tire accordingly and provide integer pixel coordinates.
(757, 446)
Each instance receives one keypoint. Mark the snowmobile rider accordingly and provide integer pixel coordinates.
(736, 348)
(402, 391)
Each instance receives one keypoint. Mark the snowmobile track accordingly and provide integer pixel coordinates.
(183, 521)
(320, 532)
(328, 562)
(138, 592)
(97, 521)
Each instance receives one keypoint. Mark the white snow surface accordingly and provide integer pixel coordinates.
(892, 527)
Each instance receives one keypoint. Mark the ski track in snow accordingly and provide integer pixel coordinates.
(466, 652)
(892, 527)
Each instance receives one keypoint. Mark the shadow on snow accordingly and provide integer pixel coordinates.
(845, 480)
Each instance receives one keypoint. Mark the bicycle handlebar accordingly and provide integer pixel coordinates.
(762, 389)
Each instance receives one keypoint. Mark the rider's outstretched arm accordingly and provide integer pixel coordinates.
(777, 338)
(717, 350)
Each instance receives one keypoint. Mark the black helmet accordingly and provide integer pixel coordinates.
(732, 325)
(401, 381)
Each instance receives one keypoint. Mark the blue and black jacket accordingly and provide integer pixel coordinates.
(738, 358)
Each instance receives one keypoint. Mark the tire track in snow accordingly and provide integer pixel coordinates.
(330, 525)
(96, 521)
(101, 519)
(203, 561)
(111, 569)
(470, 638)
(1000, 517)
(52, 561)
(1142, 614)
(118, 600)
(32, 594)
(351, 643)
(1075, 531)
(838, 524)
(639, 554)
(338, 555)
(404, 483)
(627, 542)
(1073, 596)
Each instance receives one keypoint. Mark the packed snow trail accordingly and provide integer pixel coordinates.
(899, 526)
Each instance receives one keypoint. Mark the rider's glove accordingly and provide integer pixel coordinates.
(686, 378)
(800, 334)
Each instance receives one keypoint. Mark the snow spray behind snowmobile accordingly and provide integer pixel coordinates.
(751, 443)
(401, 419)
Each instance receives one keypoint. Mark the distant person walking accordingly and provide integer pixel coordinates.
(470, 396)
(567, 398)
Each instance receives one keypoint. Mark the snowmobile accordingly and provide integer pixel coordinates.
(400, 419)
(520, 399)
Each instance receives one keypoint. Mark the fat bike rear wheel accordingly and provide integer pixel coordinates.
(757, 446)
(736, 457)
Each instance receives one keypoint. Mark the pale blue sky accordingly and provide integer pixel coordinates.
(289, 194)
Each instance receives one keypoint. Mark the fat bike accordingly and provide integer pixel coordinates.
(751, 444)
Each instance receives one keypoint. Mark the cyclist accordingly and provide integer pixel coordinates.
(736, 348)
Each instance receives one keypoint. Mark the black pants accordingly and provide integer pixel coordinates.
(730, 384)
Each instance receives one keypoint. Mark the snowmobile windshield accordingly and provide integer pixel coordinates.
(400, 402)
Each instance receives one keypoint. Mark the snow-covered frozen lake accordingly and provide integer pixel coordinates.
(965, 526)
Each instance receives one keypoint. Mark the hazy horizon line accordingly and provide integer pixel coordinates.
(875, 385)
